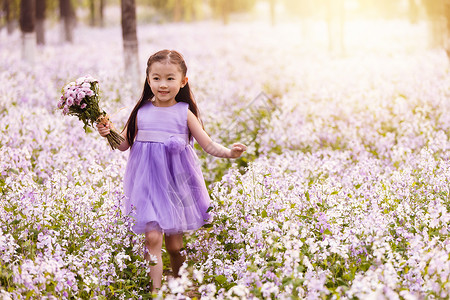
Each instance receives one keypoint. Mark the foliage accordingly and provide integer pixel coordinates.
(178, 10)
(346, 197)
(294, 225)
(250, 123)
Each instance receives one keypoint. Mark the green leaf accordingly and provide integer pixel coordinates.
(221, 279)
(14, 171)
(15, 222)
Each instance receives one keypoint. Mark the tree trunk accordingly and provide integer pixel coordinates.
(92, 14)
(9, 16)
(67, 20)
(130, 42)
(272, 11)
(447, 34)
(225, 5)
(27, 23)
(96, 12)
(177, 11)
(335, 20)
(436, 20)
(40, 22)
(413, 12)
(5, 12)
(102, 7)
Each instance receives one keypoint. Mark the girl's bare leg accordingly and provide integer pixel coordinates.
(153, 242)
(174, 243)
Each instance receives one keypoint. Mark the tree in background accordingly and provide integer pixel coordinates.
(304, 10)
(223, 8)
(96, 9)
(437, 18)
(272, 6)
(335, 16)
(40, 22)
(413, 11)
(27, 25)
(178, 10)
(332, 11)
(447, 18)
(130, 42)
(67, 18)
(10, 11)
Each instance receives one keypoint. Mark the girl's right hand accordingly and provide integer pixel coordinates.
(104, 130)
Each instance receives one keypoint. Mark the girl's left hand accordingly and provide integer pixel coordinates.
(237, 150)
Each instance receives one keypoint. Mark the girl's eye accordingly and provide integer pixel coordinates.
(171, 78)
(155, 78)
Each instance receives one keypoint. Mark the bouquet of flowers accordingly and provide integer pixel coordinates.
(80, 98)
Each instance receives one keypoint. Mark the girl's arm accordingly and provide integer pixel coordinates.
(105, 130)
(207, 144)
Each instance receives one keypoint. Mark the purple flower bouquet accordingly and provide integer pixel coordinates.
(80, 98)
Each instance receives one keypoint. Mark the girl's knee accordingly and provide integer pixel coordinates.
(173, 250)
(153, 238)
(174, 244)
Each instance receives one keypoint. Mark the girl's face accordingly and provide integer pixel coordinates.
(165, 80)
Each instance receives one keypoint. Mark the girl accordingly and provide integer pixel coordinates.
(163, 184)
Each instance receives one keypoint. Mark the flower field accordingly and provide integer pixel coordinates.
(343, 193)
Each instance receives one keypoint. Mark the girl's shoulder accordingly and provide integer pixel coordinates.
(182, 104)
(182, 107)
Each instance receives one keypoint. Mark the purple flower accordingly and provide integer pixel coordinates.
(83, 105)
(175, 144)
(65, 110)
(70, 94)
(80, 95)
(69, 101)
(60, 103)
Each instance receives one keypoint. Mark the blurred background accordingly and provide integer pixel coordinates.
(337, 18)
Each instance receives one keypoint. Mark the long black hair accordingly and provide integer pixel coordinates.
(184, 95)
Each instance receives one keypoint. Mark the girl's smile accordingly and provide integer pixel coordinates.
(165, 80)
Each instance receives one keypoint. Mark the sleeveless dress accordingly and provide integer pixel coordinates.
(163, 183)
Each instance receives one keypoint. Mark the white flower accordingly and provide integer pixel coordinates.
(68, 86)
(5, 295)
(239, 290)
(175, 286)
(198, 275)
(89, 78)
(119, 258)
(80, 81)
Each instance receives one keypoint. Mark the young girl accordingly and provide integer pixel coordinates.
(163, 184)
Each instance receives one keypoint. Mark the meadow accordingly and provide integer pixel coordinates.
(342, 194)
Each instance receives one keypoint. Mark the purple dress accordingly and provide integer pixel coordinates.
(163, 183)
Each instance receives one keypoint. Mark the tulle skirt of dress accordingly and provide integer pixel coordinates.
(165, 190)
